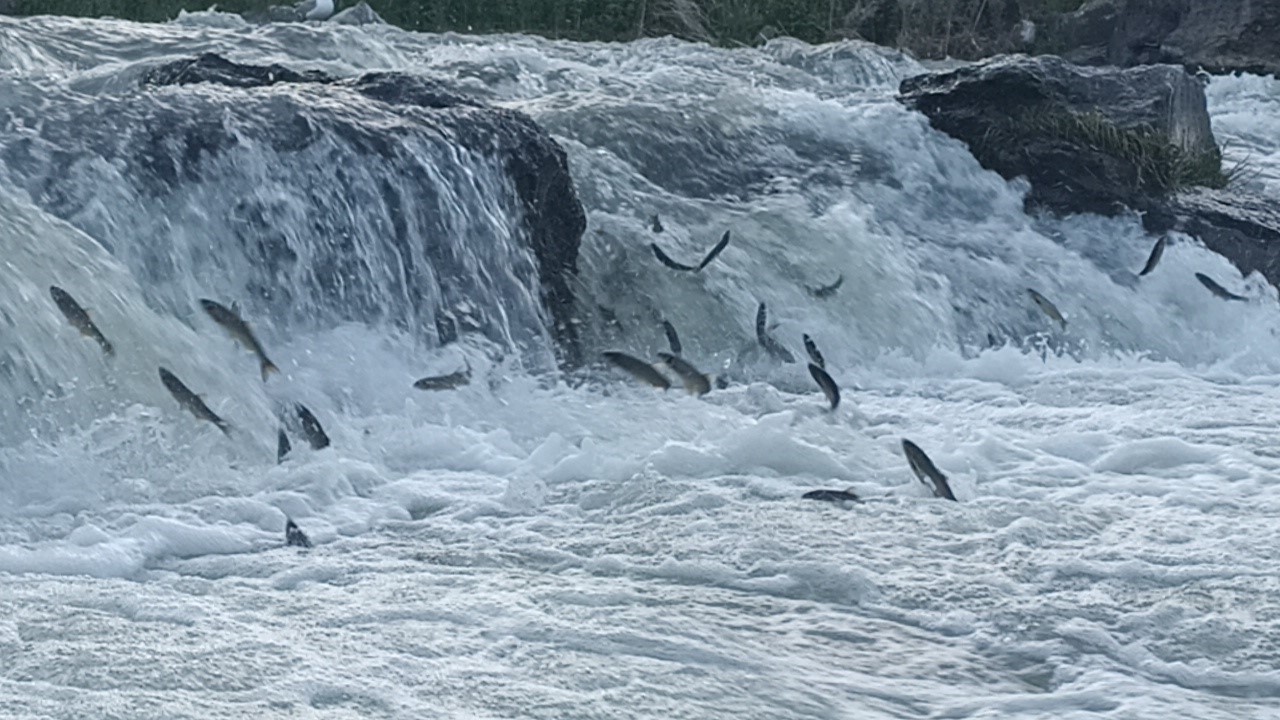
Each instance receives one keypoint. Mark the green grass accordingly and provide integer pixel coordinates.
(1161, 166)
(931, 28)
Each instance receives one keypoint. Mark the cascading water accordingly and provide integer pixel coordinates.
(1110, 555)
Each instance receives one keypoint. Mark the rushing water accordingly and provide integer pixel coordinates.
(536, 546)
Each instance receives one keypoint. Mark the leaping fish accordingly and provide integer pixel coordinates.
(673, 339)
(192, 402)
(1048, 308)
(814, 354)
(828, 385)
(1217, 289)
(832, 496)
(445, 382)
(79, 318)
(926, 471)
(639, 369)
(239, 331)
(826, 291)
(706, 260)
(694, 380)
(1154, 258)
(772, 346)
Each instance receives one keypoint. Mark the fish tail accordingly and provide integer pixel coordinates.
(107, 347)
(268, 367)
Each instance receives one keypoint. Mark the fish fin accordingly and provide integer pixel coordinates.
(268, 367)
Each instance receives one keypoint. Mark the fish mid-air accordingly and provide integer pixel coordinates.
(814, 354)
(706, 260)
(826, 291)
(673, 338)
(767, 341)
(1048, 308)
(79, 318)
(451, 381)
(926, 471)
(240, 332)
(1154, 258)
(828, 385)
(638, 369)
(694, 380)
(1217, 289)
(191, 401)
(311, 428)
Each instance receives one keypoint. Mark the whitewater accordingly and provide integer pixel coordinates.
(568, 543)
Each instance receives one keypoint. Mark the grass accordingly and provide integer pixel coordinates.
(930, 28)
(1160, 166)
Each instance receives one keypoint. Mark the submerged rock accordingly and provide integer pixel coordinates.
(358, 14)
(1087, 139)
(1220, 36)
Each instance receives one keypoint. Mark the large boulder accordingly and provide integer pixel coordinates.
(1087, 139)
(1219, 36)
(384, 198)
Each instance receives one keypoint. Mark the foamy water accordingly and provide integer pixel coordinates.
(533, 545)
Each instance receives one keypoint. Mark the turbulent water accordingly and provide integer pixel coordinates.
(564, 546)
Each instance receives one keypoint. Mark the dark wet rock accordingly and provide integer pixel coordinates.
(1242, 227)
(1087, 139)
(359, 14)
(377, 161)
(1220, 35)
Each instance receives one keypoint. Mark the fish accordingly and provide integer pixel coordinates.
(655, 223)
(311, 427)
(239, 330)
(719, 247)
(694, 380)
(827, 290)
(772, 346)
(829, 387)
(834, 496)
(665, 260)
(1154, 258)
(445, 382)
(293, 535)
(283, 446)
(926, 471)
(814, 354)
(79, 318)
(1048, 308)
(1217, 289)
(639, 369)
(673, 339)
(192, 402)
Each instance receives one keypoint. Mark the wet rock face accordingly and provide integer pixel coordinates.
(1088, 139)
(1104, 140)
(1220, 36)
(385, 198)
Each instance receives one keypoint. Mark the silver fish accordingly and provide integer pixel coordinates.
(239, 331)
(638, 369)
(1048, 308)
(1217, 289)
(926, 471)
(771, 346)
(79, 318)
(191, 401)
(719, 247)
(812, 348)
(673, 339)
(445, 382)
(833, 496)
(828, 385)
(1154, 258)
(694, 380)
(826, 291)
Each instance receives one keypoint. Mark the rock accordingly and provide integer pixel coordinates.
(359, 14)
(1221, 36)
(332, 200)
(1087, 139)
(1242, 227)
